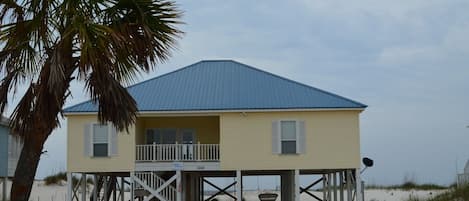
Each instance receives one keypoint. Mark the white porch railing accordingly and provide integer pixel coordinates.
(177, 152)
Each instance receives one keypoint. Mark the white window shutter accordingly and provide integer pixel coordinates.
(276, 137)
(301, 140)
(87, 143)
(113, 141)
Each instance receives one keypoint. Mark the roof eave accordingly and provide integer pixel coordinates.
(228, 111)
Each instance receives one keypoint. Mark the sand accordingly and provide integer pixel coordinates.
(42, 192)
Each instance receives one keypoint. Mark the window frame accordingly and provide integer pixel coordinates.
(288, 140)
(108, 143)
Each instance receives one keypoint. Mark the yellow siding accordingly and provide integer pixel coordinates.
(332, 141)
(206, 128)
(78, 162)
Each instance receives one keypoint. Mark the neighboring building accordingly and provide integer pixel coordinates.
(220, 119)
(10, 149)
(463, 178)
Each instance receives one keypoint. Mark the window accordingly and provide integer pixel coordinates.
(100, 140)
(288, 137)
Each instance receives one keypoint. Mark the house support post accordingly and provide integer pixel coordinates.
(334, 181)
(95, 188)
(358, 183)
(239, 187)
(132, 186)
(83, 186)
(201, 188)
(341, 186)
(348, 178)
(178, 185)
(106, 188)
(4, 189)
(331, 186)
(296, 185)
(287, 185)
(324, 187)
(122, 188)
(69, 186)
(114, 189)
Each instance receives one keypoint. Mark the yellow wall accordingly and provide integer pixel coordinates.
(78, 162)
(206, 128)
(332, 141)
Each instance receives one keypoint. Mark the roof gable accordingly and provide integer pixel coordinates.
(225, 85)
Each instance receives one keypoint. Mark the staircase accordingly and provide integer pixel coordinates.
(150, 184)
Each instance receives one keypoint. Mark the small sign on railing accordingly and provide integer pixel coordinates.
(178, 166)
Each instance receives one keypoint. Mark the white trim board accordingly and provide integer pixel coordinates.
(217, 112)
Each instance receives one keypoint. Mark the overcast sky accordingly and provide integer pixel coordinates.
(408, 60)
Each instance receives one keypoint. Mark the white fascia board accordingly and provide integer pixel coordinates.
(217, 112)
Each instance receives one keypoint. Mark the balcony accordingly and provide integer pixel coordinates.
(177, 153)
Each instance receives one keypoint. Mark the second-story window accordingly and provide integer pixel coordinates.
(288, 137)
(100, 140)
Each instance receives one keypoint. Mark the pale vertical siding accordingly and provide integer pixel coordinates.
(301, 143)
(114, 143)
(275, 137)
(87, 146)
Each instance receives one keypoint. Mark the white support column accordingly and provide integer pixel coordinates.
(4, 189)
(239, 188)
(296, 185)
(132, 195)
(69, 186)
(83, 186)
(358, 183)
(95, 189)
(122, 188)
(178, 186)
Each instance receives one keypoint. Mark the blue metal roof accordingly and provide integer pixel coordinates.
(225, 85)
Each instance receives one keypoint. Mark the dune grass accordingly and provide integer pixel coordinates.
(62, 176)
(409, 186)
(453, 194)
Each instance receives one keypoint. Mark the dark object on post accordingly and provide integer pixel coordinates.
(268, 197)
(367, 162)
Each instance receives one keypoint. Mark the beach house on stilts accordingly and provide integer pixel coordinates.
(10, 149)
(218, 118)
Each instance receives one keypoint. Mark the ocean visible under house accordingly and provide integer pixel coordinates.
(218, 118)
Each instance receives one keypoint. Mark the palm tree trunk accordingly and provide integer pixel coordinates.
(48, 104)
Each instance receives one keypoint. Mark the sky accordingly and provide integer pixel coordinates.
(408, 60)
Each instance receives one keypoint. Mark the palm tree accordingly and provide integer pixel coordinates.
(45, 44)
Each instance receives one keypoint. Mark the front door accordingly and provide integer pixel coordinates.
(187, 140)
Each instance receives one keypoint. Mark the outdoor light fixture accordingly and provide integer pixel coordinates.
(367, 162)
